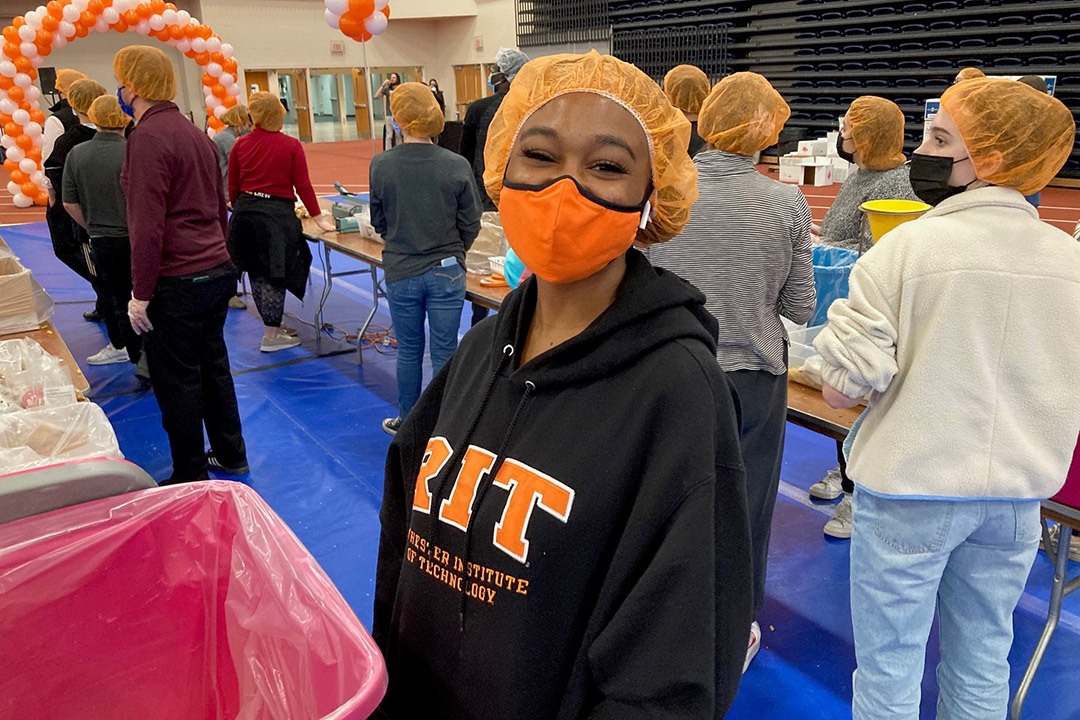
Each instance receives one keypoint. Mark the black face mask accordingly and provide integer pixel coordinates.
(930, 178)
(844, 154)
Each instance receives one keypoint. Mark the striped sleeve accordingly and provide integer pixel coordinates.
(797, 296)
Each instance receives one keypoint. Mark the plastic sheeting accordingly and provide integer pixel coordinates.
(31, 377)
(24, 305)
(832, 268)
(176, 604)
(49, 435)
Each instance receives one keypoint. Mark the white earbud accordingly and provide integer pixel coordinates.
(645, 213)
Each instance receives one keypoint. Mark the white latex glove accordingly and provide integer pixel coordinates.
(137, 315)
(325, 222)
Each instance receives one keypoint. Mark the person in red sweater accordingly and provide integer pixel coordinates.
(266, 171)
(182, 276)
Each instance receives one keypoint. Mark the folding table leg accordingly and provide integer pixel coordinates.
(328, 284)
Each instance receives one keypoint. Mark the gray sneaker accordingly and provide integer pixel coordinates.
(281, 342)
(840, 525)
(830, 488)
(237, 303)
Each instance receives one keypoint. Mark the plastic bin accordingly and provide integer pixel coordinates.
(178, 603)
(801, 348)
(832, 268)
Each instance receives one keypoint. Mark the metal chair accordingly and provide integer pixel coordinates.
(1063, 508)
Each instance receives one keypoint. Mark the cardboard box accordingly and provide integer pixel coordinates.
(816, 171)
(23, 304)
(812, 147)
(831, 142)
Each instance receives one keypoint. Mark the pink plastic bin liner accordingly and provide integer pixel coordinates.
(178, 603)
(1070, 494)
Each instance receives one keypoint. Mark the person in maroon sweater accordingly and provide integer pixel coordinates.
(265, 237)
(182, 275)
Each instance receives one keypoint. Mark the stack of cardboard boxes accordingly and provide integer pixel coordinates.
(815, 162)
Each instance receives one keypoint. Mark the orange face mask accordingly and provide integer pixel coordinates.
(564, 233)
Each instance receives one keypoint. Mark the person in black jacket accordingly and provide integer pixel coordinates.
(564, 521)
(70, 242)
(439, 97)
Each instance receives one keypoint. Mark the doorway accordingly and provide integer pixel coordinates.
(293, 91)
(334, 106)
(256, 81)
(471, 85)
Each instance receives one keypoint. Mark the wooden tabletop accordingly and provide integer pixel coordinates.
(49, 338)
(806, 407)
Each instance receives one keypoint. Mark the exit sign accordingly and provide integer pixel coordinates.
(337, 46)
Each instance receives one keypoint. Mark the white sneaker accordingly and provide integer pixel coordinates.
(108, 355)
(281, 342)
(840, 525)
(830, 488)
(754, 646)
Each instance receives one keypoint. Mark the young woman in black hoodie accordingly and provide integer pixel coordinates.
(564, 523)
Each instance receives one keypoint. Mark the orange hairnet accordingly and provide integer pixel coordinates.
(236, 116)
(65, 77)
(416, 111)
(105, 112)
(743, 114)
(83, 93)
(267, 112)
(970, 73)
(877, 129)
(686, 87)
(146, 71)
(674, 175)
(1026, 134)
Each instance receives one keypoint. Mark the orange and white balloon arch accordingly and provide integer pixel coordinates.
(32, 37)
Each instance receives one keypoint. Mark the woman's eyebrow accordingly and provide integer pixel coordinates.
(542, 130)
(615, 141)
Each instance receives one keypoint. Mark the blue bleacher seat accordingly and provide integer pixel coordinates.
(940, 45)
(800, 52)
(831, 34)
(906, 101)
(912, 8)
(850, 83)
(977, 3)
(945, 6)
(826, 83)
(828, 50)
(909, 65)
(1048, 39)
(828, 67)
(878, 65)
(882, 30)
(846, 100)
(938, 82)
(802, 84)
(905, 82)
(976, 23)
(852, 67)
(940, 63)
(1011, 20)
(1048, 18)
(826, 16)
(1013, 41)
(1046, 60)
(879, 48)
(856, 31)
(1009, 62)
(878, 83)
(806, 36)
(827, 117)
(854, 49)
(825, 100)
(971, 43)
(910, 28)
(915, 47)
(884, 10)
(941, 25)
(857, 13)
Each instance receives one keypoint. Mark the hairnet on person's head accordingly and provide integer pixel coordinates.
(970, 73)
(687, 87)
(105, 112)
(146, 71)
(236, 116)
(1017, 136)
(83, 93)
(877, 129)
(674, 176)
(267, 112)
(743, 114)
(510, 62)
(65, 77)
(416, 110)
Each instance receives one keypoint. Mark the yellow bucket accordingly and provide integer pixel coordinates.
(886, 215)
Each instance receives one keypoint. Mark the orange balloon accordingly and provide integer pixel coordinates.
(16, 93)
(29, 189)
(88, 18)
(352, 24)
(202, 58)
(44, 50)
(131, 17)
(13, 129)
(190, 31)
(230, 66)
(12, 50)
(209, 80)
(24, 105)
(43, 37)
(144, 10)
(177, 32)
(157, 6)
(204, 32)
(170, 6)
(18, 22)
(34, 153)
(42, 198)
(363, 8)
(24, 141)
(81, 30)
(121, 25)
(12, 35)
(386, 12)
(229, 101)
(55, 8)
(162, 35)
(11, 166)
(95, 7)
(4, 119)
(19, 177)
(23, 64)
(50, 24)
(217, 58)
(6, 83)
(219, 91)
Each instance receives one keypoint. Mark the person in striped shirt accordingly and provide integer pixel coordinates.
(747, 248)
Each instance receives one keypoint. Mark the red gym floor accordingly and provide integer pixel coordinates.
(347, 163)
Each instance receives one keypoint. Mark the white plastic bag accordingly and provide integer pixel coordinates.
(50, 435)
(31, 377)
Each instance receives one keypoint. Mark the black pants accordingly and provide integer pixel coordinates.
(763, 399)
(70, 245)
(189, 370)
(112, 260)
(479, 312)
(845, 482)
(269, 297)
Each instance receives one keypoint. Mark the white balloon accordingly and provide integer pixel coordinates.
(32, 93)
(28, 49)
(38, 178)
(36, 62)
(120, 6)
(226, 79)
(32, 129)
(227, 50)
(7, 68)
(7, 141)
(198, 45)
(101, 25)
(333, 20)
(169, 16)
(213, 44)
(338, 7)
(380, 4)
(81, 5)
(183, 17)
(211, 100)
(67, 29)
(33, 19)
(143, 28)
(59, 41)
(16, 154)
(71, 13)
(8, 106)
(23, 80)
(22, 201)
(214, 70)
(184, 45)
(376, 24)
(195, 22)
(14, 188)
(20, 117)
(157, 23)
(39, 140)
(111, 15)
(27, 33)
(219, 111)
(28, 166)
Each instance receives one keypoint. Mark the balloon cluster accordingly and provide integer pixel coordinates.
(30, 38)
(359, 19)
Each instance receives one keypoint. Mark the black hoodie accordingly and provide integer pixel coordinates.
(605, 572)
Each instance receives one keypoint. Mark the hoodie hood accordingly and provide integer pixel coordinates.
(652, 308)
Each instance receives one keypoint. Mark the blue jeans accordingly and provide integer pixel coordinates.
(969, 560)
(439, 294)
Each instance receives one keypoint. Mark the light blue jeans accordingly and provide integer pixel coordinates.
(969, 561)
(438, 295)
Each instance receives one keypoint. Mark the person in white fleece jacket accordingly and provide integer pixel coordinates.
(962, 327)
